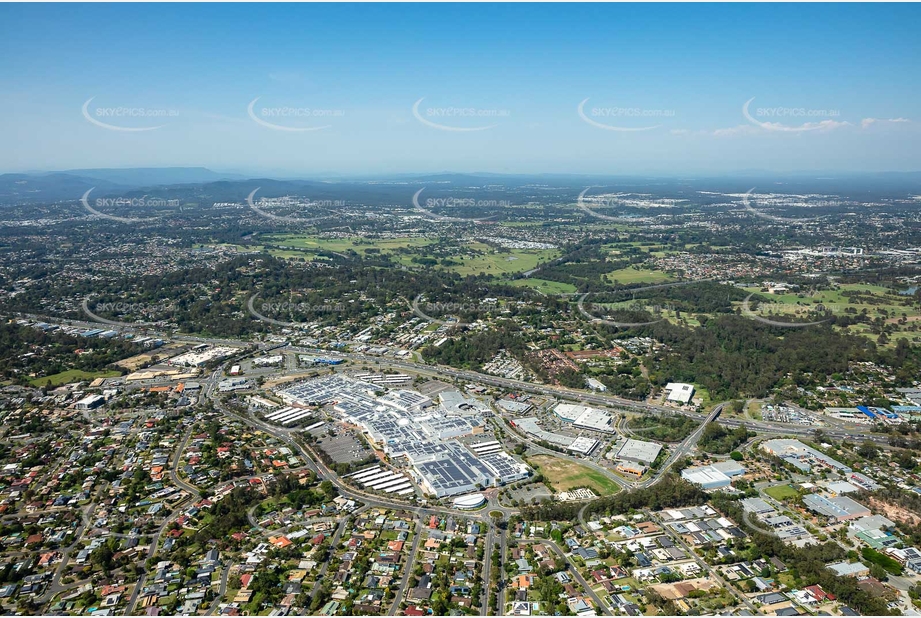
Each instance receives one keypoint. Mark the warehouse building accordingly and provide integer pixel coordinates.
(707, 477)
(841, 508)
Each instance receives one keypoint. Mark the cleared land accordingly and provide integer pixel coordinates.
(563, 475)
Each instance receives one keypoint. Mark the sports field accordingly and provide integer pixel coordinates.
(632, 275)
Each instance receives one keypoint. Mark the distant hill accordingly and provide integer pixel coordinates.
(151, 176)
(199, 183)
(72, 184)
(53, 187)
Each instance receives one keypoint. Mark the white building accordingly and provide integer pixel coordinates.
(679, 392)
(90, 401)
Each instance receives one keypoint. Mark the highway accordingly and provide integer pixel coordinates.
(507, 383)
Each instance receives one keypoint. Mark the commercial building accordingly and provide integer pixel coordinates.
(470, 501)
(232, 384)
(639, 451)
(585, 417)
(595, 420)
(267, 361)
(850, 569)
(201, 355)
(457, 471)
(529, 425)
(583, 446)
(408, 424)
(679, 392)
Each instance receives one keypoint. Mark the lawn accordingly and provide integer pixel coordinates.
(781, 492)
(72, 375)
(564, 475)
(626, 276)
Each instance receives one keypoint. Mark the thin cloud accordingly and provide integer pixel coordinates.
(748, 129)
(868, 122)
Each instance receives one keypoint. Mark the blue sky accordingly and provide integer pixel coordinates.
(835, 87)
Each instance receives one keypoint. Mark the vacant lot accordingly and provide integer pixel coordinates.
(136, 362)
(562, 475)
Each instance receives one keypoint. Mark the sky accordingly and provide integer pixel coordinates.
(373, 89)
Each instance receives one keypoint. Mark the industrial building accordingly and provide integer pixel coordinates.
(706, 477)
(715, 476)
(800, 456)
(841, 508)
